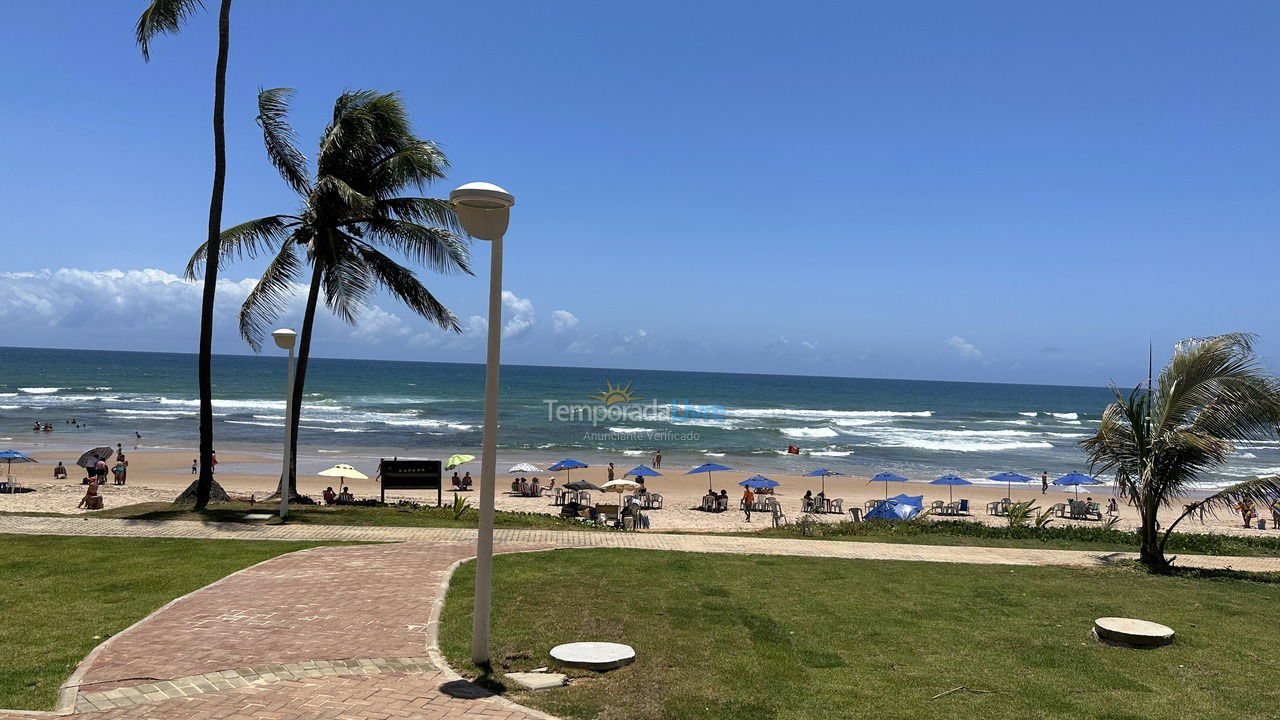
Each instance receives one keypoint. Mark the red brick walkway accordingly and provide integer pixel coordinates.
(273, 622)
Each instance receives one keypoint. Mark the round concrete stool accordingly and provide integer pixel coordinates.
(598, 656)
(1128, 632)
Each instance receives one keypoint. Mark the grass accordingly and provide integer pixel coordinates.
(1055, 537)
(762, 638)
(395, 515)
(64, 595)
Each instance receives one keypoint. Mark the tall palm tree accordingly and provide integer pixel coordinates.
(1167, 433)
(368, 156)
(168, 16)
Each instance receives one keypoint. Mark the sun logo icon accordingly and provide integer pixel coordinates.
(613, 394)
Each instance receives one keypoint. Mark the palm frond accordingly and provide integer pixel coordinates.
(280, 140)
(1260, 491)
(440, 250)
(346, 282)
(420, 210)
(405, 286)
(248, 239)
(270, 296)
(162, 17)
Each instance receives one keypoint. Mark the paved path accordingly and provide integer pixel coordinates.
(76, 525)
(341, 632)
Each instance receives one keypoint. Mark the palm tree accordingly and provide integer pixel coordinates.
(168, 16)
(367, 156)
(1165, 434)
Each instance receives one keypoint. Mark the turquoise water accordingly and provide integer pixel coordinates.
(369, 408)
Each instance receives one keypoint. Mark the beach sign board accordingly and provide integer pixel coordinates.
(412, 474)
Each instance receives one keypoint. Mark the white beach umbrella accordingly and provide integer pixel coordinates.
(620, 486)
(524, 468)
(343, 471)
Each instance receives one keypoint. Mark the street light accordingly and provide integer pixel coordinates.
(483, 210)
(285, 338)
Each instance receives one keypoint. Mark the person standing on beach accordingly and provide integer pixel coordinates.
(1044, 482)
(657, 460)
(748, 499)
(610, 473)
(194, 466)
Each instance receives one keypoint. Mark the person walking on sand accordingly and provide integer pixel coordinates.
(748, 499)
(1044, 482)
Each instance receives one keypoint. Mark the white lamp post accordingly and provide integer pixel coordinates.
(285, 338)
(483, 209)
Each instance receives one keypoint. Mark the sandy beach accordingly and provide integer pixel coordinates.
(158, 475)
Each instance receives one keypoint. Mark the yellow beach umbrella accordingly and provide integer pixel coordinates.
(456, 460)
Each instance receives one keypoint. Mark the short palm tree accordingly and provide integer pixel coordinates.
(1166, 434)
(167, 17)
(350, 211)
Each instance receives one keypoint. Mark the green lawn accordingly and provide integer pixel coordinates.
(370, 516)
(64, 595)
(752, 637)
(1055, 537)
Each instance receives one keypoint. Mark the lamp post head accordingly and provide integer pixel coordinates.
(483, 209)
(284, 338)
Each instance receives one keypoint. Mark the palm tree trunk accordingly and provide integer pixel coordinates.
(300, 375)
(1151, 553)
(204, 482)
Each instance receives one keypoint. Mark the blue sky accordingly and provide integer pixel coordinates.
(1007, 191)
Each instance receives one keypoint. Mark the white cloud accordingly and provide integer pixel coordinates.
(519, 315)
(563, 320)
(967, 350)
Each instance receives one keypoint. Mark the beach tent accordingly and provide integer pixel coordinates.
(950, 481)
(456, 460)
(758, 481)
(566, 465)
(886, 478)
(1075, 479)
(824, 474)
(708, 468)
(898, 507)
(1009, 478)
(524, 468)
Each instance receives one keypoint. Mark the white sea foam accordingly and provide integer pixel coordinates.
(39, 390)
(1066, 416)
(1029, 414)
(8, 394)
(807, 432)
(708, 453)
(803, 414)
(630, 430)
(831, 453)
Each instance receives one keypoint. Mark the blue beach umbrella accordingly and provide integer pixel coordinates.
(1009, 478)
(1076, 479)
(886, 478)
(13, 456)
(758, 481)
(642, 471)
(567, 464)
(824, 474)
(708, 468)
(950, 481)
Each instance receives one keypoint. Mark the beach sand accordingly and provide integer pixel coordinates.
(159, 475)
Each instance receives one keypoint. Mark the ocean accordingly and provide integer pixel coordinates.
(369, 409)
